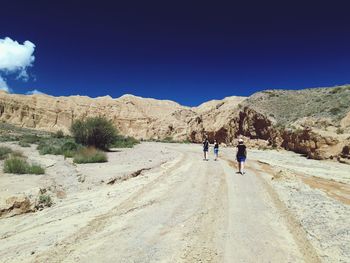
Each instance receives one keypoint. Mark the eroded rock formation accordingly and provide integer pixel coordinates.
(267, 115)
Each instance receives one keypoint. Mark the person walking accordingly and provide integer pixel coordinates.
(205, 148)
(216, 149)
(241, 155)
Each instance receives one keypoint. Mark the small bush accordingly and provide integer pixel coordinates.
(69, 146)
(23, 144)
(168, 139)
(334, 111)
(69, 149)
(17, 165)
(124, 142)
(336, 90)
(49, 149)
(340, 131)
(44, 201)
(59, 134)
(57, 146)
(30, 138)
(4, 152)
(69, 154)
(35, 169)
(8, 138)
(94, 131)
(271, 95)
(90, 155)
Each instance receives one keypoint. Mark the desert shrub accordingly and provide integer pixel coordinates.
(49, 149)
(70, 146)
(23, 144)
(89, 155)
(17, 165)
(44, 201)
(124, 142)
(4, 152)
(30, 138)
(57, 146)
(94, 131)
(8, 138)
(271, 95)
(336, 90)
(69, 154)
(35, 169)
(340, 131)
(59, 134)
(167, 139)
(334, 111)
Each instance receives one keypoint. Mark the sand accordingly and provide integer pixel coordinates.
(163, 203)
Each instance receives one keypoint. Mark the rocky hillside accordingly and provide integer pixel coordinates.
(134, 116)
(315, 122)
(322, 106)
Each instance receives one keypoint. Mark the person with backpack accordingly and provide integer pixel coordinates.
(205, 148)
(216, 149)
(241, 155)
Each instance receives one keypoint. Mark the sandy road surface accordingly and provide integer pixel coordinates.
(185, 210)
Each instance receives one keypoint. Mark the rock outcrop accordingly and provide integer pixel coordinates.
(309, 143)
(16, 205)
(133, 116)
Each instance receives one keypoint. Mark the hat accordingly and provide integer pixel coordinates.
(240, 140)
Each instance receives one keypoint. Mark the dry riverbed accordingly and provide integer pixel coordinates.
(163, 203)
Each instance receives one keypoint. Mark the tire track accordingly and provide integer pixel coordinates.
(209, 223)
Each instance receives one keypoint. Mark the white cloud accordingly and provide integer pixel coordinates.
(3, 85)
(15, 58)
(34, 91)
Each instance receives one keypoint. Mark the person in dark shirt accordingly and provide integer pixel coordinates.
(205, 148)
(216, 149)
(241, 156)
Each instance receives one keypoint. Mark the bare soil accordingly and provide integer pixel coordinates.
(163, 203)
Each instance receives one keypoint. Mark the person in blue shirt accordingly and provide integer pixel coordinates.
(216, 149)
(206, 148)
(241, 156)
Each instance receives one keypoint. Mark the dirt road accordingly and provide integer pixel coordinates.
(185, 210)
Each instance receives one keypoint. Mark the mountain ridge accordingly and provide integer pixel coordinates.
(315, 122)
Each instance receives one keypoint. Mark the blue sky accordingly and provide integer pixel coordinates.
(186, 51)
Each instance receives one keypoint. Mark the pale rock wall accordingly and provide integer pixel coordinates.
(146, 118)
